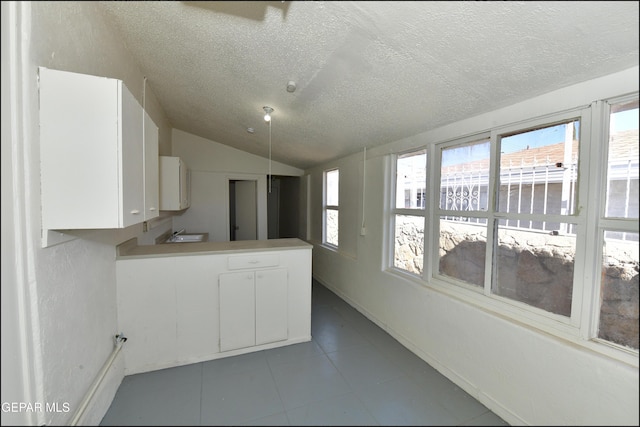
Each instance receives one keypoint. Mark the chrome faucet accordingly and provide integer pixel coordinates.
(175, 234)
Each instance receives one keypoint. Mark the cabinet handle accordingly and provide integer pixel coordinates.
(135, 212)
(152, 209)
(254, 261)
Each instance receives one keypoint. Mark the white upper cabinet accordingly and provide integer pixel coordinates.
(174, 184)
(91, 152)
(151, 170)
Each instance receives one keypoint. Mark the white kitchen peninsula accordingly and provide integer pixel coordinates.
(184, 303)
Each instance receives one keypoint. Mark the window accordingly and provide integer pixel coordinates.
(519, 241)
(408, 212)
(464, 191)
(331, 191)
(618, 230)
(519, 214)
(535, 247)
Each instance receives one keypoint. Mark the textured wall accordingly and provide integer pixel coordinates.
(71, 300)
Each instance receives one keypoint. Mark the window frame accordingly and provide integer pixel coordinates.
(540, 318)
(417, 212)
(581, 326)
(436, 212)
(602, 223)
(329, 207)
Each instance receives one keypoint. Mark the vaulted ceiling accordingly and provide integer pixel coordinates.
(366, 73)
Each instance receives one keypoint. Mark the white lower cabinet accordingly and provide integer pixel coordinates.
(253, 308)
(147, 313)
(272, 323)
(196, 299)
(176, 310)
(167, 309)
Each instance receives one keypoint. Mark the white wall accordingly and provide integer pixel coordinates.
(524, 375)
(212, 164)
(62, 298)
(61, 328)
(205, 155)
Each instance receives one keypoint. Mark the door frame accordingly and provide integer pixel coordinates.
(261, 203)
(244, 207)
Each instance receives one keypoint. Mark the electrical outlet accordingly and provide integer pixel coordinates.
(145, 227)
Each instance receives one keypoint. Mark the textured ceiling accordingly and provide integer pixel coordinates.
(367, 73)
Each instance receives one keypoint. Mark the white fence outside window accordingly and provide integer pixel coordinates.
(533, 188)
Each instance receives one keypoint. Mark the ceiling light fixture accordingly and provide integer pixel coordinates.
(267, 118)
(291, 86)
(267, 113)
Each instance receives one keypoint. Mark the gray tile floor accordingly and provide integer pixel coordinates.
(351, 373)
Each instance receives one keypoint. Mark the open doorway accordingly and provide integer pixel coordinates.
(243, 208)
(283, 207)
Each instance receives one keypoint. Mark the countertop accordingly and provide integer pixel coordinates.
(131, 250)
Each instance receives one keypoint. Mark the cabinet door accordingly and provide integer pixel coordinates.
(130, 150)
(78, 145)
(185, 185)
(237, 310)
(196, 307)
(90, 152)
(147, 312)
(151, 170)
(174, 184)
(271, 306)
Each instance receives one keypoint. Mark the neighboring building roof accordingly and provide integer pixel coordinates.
(624, 145)
(538, 155)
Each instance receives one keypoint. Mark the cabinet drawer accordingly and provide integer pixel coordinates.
(252, 261)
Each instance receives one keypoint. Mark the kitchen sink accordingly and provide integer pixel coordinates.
(183, 238)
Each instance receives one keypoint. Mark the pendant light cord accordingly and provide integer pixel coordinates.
(270, 155)
(364, 183)
(267, 117)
